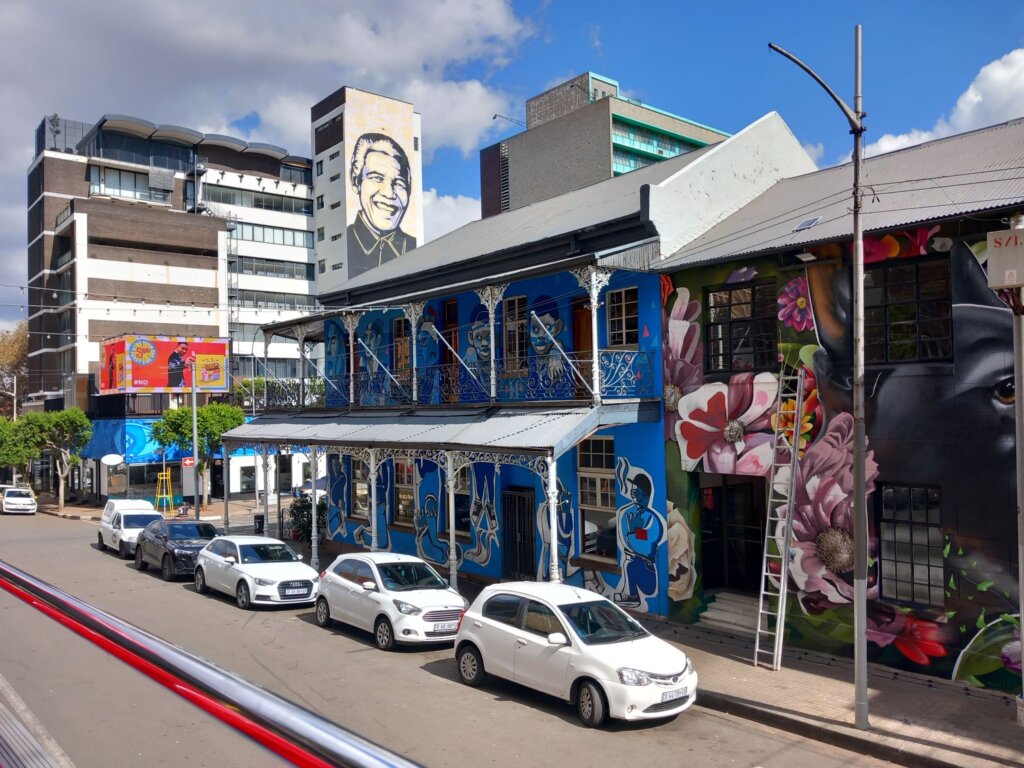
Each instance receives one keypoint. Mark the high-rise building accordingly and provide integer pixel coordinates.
(159, 230)
(367, 184)
(578, 133)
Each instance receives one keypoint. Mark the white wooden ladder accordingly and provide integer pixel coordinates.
(771, 608)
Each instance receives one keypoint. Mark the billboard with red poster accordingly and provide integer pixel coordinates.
(163, 364)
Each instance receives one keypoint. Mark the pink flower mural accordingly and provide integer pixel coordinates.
(725, 425)
(681, 355)
(821, 551)
(919, 640)
(795, 305)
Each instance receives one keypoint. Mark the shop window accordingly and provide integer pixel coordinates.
(247, 479)
(404, 492)
(907, 312)
(463, 499)
(910, 544)
(623, 318)
(360, 490)
(741, 327)
(596, 472)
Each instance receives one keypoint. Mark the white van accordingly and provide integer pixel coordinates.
(122, 521)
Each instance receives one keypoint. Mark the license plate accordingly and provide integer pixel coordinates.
(295, 591)
(448, 626)
(673, 695)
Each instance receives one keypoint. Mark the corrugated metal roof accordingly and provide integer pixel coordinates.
(503, 430)
(959, 175)
(596, 204)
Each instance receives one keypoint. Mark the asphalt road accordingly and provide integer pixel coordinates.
(102, 713)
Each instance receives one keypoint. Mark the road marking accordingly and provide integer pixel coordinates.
(33, 725)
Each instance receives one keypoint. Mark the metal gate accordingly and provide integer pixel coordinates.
(518, 537)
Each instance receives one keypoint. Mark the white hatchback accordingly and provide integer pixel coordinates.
(575, 644)
(254, 570)
(399, 598)
(18, 501)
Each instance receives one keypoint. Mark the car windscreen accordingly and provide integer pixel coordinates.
(267, 553)
(15, 493)
(401, 577)
(138, 521)
(601, 622)
(183, 531)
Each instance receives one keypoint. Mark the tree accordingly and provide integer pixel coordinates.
(212, 421)
(13, 363)
(53, 121)
(63, 433)
(16, 448)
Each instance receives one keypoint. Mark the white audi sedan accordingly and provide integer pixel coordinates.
(575, 644)
(255, 570)
(399, 598)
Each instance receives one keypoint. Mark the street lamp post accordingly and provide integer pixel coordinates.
(855, 117)
(195, 443)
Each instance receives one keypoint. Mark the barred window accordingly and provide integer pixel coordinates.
(910, 538)
(908, 312)
(515, 334)
(741, 327)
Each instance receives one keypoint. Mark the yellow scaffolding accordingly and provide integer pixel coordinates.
(163, 491)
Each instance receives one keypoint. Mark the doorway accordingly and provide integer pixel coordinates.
(733, 513)
(518, 535)
(583, 344)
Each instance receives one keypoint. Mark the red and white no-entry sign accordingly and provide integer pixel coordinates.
(188, 461)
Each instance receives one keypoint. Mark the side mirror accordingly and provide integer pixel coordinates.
(369, 586)
(230, 560)
(557, 638)
(299, 555)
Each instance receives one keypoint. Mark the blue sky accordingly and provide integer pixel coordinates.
(252, 68)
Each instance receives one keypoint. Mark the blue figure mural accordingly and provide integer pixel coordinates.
(427, 358)
(641, 532)
(363, 533)
(483, 520)
(430, 546)
(372, 357)
(550, 375)
(335, 362)
(476, 385)
(337, 495)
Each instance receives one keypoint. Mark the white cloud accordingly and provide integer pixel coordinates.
(816, 151)
(204, 65)
(995, 95)
(444, 213)
(594, 35)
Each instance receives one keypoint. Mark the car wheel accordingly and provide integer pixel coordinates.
(242, 596)
(384, 634)
(323, 613)
(99, 542)
(200, 580)
(122, 550)
(591, 705)
(166, 569)
(470, 666)
(140, 564)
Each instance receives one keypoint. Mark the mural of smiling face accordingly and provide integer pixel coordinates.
(383, 190)
(546, 312)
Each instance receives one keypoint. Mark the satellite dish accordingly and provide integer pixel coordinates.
(112, 460)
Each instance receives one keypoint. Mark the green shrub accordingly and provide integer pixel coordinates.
(299, 514)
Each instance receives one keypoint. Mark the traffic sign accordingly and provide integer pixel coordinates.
(188, 461)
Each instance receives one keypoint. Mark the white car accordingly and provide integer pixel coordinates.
(575, 644)
(121, 522)
(399, 598)
(255, 569)
(18, 501)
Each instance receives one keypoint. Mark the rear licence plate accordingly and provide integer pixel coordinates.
(448, 626)
(673, 695)
(295, 591)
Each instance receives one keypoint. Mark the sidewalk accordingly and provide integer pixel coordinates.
(915, 720)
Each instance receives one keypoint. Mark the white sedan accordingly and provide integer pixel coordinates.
(18, 501)
(577, 645)
(255, 569)
(399, 598)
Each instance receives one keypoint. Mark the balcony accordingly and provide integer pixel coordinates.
(625, 374)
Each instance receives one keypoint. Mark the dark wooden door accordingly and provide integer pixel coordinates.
(518, 535)
(582, 343)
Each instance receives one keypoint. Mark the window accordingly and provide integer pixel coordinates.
(319, 202)
(503, 609)
(540, 620)
(320, 234)
(911, 542)
(596, 465)
(250, 265)
(907, 314)
(415, 143)
(337, 237)
(623, 320)
(741, 326)
(514, 331)
(231, 196)
(272, 235)
(404, 492)
(463, 499)
(333, 155)
(363, 573)
(336, 205)
(335, 177)
(360, 490)
(247, 479)
(400, 338)
(319, 167)
(321, 266)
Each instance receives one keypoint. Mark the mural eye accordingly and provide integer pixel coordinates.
(1004, 392)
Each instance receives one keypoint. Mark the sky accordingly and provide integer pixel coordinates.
(253, 68)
